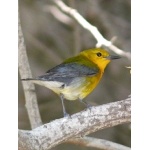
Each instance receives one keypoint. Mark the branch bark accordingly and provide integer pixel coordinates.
(79, 125)
(98, 143)
(101, 41)
(29, 88)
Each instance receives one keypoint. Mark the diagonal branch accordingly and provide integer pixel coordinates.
(98, 143)
(80, 124)
(29, 89)
(101, 41)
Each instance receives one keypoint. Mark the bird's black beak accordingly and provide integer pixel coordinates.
(111, 57)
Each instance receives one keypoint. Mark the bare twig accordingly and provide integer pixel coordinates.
(119, 51)
(63, 18)
(29, 89)
(94, 31)
(80, 124)
(73, 13)
(98, 143)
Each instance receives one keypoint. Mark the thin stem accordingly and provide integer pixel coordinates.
(29, 89)
(98, 143)
(101, 41)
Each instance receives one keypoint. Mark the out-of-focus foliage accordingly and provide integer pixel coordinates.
(51, 37)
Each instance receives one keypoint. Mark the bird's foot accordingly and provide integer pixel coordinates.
(66, 115)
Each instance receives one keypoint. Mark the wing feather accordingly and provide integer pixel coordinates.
(69, 70)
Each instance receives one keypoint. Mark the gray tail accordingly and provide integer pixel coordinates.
(27, 79)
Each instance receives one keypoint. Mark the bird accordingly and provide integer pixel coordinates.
(76, 77)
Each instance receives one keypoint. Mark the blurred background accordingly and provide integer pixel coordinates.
(51, 36)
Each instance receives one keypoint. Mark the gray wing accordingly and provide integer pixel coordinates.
(67, 72)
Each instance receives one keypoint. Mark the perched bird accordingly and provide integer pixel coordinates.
(77, 76)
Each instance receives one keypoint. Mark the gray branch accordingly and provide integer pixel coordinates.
(94, 31)
(98, 143)
(29, 89)
(79, 125)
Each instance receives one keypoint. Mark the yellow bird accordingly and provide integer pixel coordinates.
(77, 76)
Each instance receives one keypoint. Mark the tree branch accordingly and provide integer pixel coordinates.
(80, 124)
(98, 143)
(29, 89)
(101, 41)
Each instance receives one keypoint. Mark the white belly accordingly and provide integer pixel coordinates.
(72, 91)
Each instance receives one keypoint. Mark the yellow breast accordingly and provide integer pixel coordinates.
(80, 87)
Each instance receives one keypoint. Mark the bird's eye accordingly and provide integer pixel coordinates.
(99, 54)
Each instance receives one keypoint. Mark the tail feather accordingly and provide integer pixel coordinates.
(27, 79)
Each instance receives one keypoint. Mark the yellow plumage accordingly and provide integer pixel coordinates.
(76, 77)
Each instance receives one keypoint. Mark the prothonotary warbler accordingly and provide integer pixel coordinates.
(77, 76)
